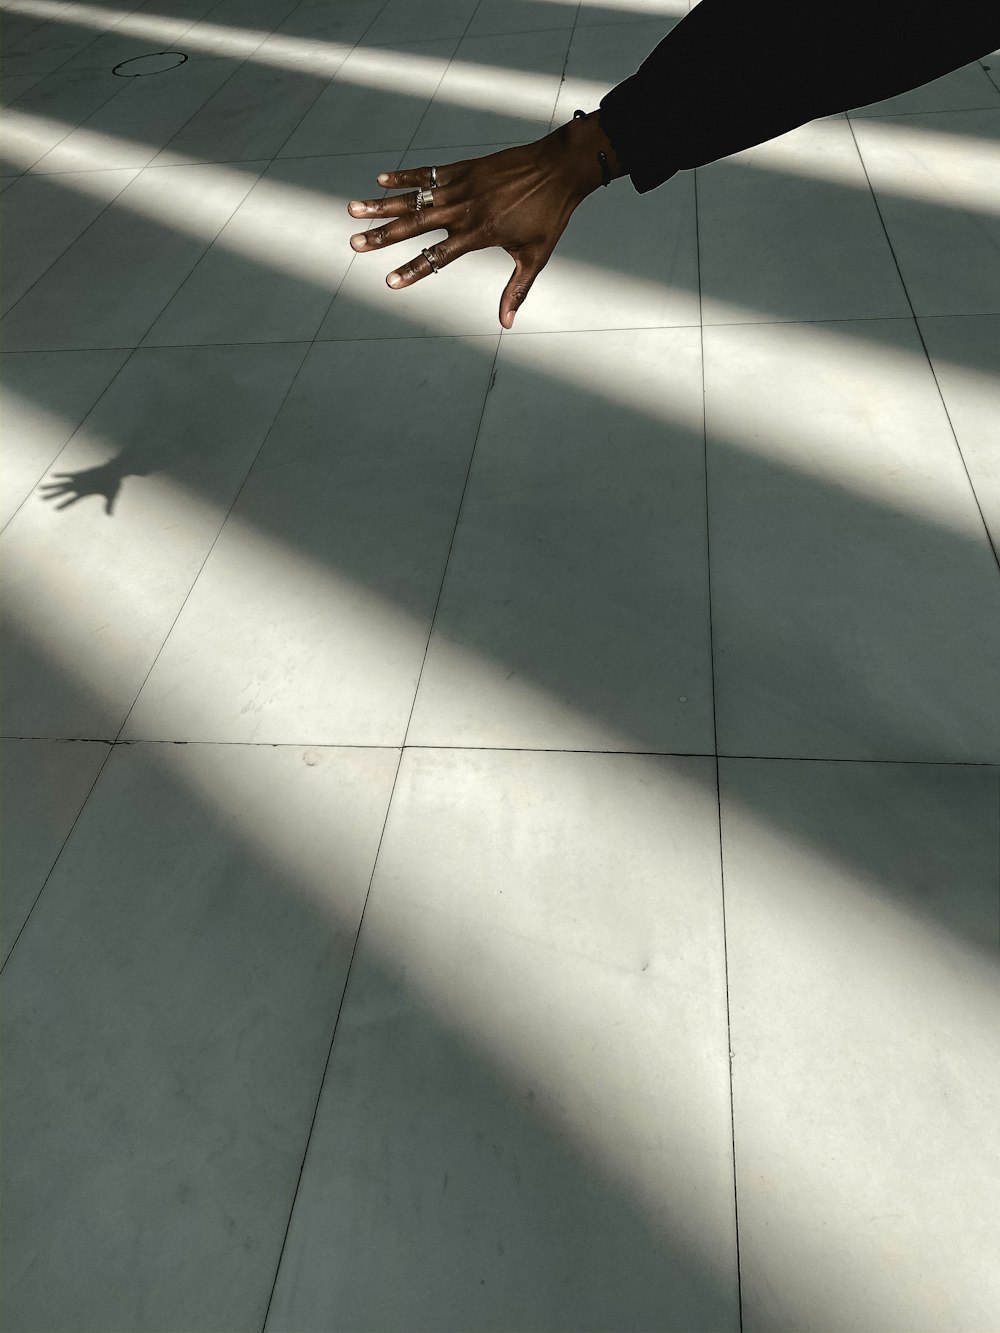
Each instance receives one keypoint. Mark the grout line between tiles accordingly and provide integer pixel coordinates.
(62, 845)
(260, 175)
(329, 1054)
(718, 779)
(511, 749)
(900, 115)
(927, 355)
(392, 790)
(194, 582)
(508, 333)
(138, 171)
(98, 36)
(149, 166)
(60, 17)
(180, 284)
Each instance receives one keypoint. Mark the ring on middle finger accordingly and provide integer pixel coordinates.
(425, 199)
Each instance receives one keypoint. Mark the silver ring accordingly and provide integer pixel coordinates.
(425, 199)
(430, 259)
(434, 178)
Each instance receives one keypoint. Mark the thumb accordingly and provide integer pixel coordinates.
(526, 270)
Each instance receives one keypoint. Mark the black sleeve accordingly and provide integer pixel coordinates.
(734, 73)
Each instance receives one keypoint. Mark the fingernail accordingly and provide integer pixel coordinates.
(355, 206)
(394, 279)
(383, 179)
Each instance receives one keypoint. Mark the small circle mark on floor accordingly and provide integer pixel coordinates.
(155, 63)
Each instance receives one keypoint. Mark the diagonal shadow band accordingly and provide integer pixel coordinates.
(185, 1010)
(960, 714)
(577, 1183)
(932, 674)
(269, 851)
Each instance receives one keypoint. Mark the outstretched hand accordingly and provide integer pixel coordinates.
(519, 199)
(69, 487)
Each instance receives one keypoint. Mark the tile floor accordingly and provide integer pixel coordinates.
(501, 828)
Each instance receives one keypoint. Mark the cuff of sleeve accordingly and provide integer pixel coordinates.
(646, 170)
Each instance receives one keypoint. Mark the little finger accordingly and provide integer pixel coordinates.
(430, 260)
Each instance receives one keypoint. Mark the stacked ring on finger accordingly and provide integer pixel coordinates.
(425, 199)
(431, 260)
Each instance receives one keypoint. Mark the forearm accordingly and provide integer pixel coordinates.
(731, 74)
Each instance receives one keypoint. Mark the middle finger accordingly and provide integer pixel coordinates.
(391, 206)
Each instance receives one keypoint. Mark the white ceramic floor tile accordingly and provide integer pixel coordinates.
(789, 230)
(134, 35)
(251, 115)
(51, 110)
(401, 21)
(60, 101)
(320, 24)
(603, 12)
(855, 601)
(91, 596)
(602, 56)
(45, 397)
(175, 10)
(274, 268)
(44, 785)
(520, 16)
(14, 85)
(497, 89)
(864, 987)
(965, 89)
(575, 609)
(311, 617)
(937, 185)
(109, 287)
(43, 216)
(593, 281)
(130, 129)
(155, 25)
(375, 100)
(525, 1123)
(463, 298)
(158, 1096)
(236, 28)
(45, 47)
(17, 27)
(965, 354)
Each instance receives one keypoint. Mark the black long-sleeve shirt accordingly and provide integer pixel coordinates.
(734, 73)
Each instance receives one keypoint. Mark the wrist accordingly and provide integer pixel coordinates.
(589, 152)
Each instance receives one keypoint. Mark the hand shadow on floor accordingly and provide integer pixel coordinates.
(104, 480)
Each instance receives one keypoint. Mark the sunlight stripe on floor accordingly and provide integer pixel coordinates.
(916, 162)
(779, 434)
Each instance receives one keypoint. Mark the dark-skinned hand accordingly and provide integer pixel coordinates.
(519, 199)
